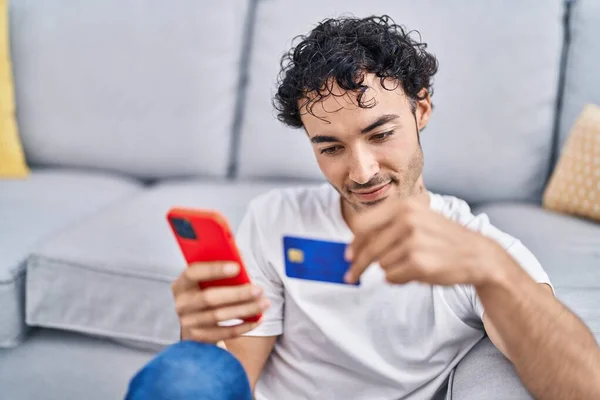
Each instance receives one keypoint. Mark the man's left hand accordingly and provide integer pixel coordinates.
(411, 242)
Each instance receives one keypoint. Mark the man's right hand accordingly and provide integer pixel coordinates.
(200, 311)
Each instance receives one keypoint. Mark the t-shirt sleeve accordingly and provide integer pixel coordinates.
(251, 244)
(464, 299)
(527, 261)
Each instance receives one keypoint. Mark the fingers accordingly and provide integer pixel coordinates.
(368, 248)
(398, 264)
(402, 273)
(203, 272)
(362, 236)
(197, 300)
(408, 263)
(211, 317)
(218, 333)
(398, 255)
(368, 251)
(403, 218)
(201, 311)
(379, 217)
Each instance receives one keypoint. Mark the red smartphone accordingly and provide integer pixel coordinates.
(205, 236)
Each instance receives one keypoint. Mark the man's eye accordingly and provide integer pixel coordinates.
(380, 137)
(331, 150)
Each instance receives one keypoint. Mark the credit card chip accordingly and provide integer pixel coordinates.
(295, 255)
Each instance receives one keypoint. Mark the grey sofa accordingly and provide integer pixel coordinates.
(128, 108)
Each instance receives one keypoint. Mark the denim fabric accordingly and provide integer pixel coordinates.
(189, 370)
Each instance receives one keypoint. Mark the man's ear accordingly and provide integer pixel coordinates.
(423, 109)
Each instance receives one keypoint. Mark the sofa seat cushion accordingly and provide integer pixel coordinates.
(485, 363)
(111, 274)
(585, 303)
(567, 247)
(58, 365)
(32, 210)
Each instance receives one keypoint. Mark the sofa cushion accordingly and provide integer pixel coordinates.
(582, 80)
(111, 274)
(147, 88)
(58, 365)
(567, 247)
(585, 303)
(485, 364)
(32, 210)
(491, 130)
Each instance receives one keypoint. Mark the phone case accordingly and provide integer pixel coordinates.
(213, 242)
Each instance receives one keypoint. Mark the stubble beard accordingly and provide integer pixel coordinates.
(404, 184)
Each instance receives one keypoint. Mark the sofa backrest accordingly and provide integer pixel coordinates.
(490, 136)
(582, 72)
(147, 88)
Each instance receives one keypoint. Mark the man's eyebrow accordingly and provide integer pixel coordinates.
(323, 139)
(384, 119)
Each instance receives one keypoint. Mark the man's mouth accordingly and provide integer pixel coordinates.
(373, 194)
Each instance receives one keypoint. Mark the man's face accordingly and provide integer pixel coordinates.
(369, 155)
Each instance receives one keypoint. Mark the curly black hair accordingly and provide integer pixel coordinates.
(341, 51)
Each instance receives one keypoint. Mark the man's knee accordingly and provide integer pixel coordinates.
(190, 370)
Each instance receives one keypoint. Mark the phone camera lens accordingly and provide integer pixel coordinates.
(183, 228)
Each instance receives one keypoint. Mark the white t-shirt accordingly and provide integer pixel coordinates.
(374, 341)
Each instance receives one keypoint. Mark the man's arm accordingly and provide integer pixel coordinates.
(554, 353)
(252, 352)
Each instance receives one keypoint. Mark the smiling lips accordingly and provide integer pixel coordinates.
(373, 194)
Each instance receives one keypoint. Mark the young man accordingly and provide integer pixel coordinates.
(434, 277)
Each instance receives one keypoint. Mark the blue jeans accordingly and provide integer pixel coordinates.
(191, 370)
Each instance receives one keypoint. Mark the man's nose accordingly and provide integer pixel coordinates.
(363, 167)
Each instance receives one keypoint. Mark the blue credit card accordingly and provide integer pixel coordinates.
(315, 260)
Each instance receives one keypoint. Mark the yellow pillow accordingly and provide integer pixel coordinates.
(12, 158)
(574, 187)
